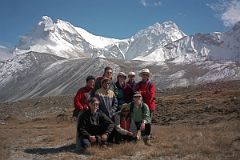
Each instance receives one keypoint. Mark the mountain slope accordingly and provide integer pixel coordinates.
(64, 40)
(5, 53)
(37, 74)
(152, 37)
(211, 46)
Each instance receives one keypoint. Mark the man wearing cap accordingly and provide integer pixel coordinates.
(140, 116)
(147, 89)
(121, 84)
(129, 89)
(83, 95)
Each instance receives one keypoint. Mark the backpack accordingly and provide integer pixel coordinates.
(142, 107)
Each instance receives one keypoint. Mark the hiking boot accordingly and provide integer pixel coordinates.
(104, 146)
(146, 140)
(85, 151)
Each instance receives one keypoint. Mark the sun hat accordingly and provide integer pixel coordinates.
(145, 70)
(131, 74)
(122, 74)
(125, 108)
(137, 94)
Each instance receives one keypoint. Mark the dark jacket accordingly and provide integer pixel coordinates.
(108, 101)
(129, 91)
(120, 96)
(94, 124)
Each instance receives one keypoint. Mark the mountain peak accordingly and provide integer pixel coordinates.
(165, 24)
(47, 23)
(167, 27)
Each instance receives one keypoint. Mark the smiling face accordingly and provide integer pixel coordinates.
(108, 73)
(137, 100)
(145, 76)
(91, 83)
(106, 85)
(121, 79)
(94, 105)
(131, 77)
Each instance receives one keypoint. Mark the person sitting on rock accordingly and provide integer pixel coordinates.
(93, 127)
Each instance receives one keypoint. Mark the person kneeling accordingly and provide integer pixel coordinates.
(122, 125)
(93, 127)
(140, 116)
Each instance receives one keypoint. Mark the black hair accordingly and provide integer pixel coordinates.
(93, 99)
(107, 68)
(90, 78)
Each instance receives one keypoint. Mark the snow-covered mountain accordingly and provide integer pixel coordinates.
(211, 46)
(39, 74)
(147, 40)
(159, 42)
(63, 39)
(5, 53)
(56, 57)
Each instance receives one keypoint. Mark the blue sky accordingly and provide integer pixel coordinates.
(117, 18)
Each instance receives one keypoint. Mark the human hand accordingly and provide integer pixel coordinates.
(142, 126)
(130, 134)
(92, 139)
(104, 137)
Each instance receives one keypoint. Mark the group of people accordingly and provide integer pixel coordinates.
(109, 111)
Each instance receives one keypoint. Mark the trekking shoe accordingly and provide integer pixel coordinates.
(85, 151)
(146, 140)
(104, 146)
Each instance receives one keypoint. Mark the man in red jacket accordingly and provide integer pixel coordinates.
(83, 95)
(81, 101)
(147, 89)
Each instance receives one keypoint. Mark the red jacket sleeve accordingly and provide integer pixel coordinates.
(77, 100)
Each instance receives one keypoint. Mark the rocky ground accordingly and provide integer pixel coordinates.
(198, 122)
